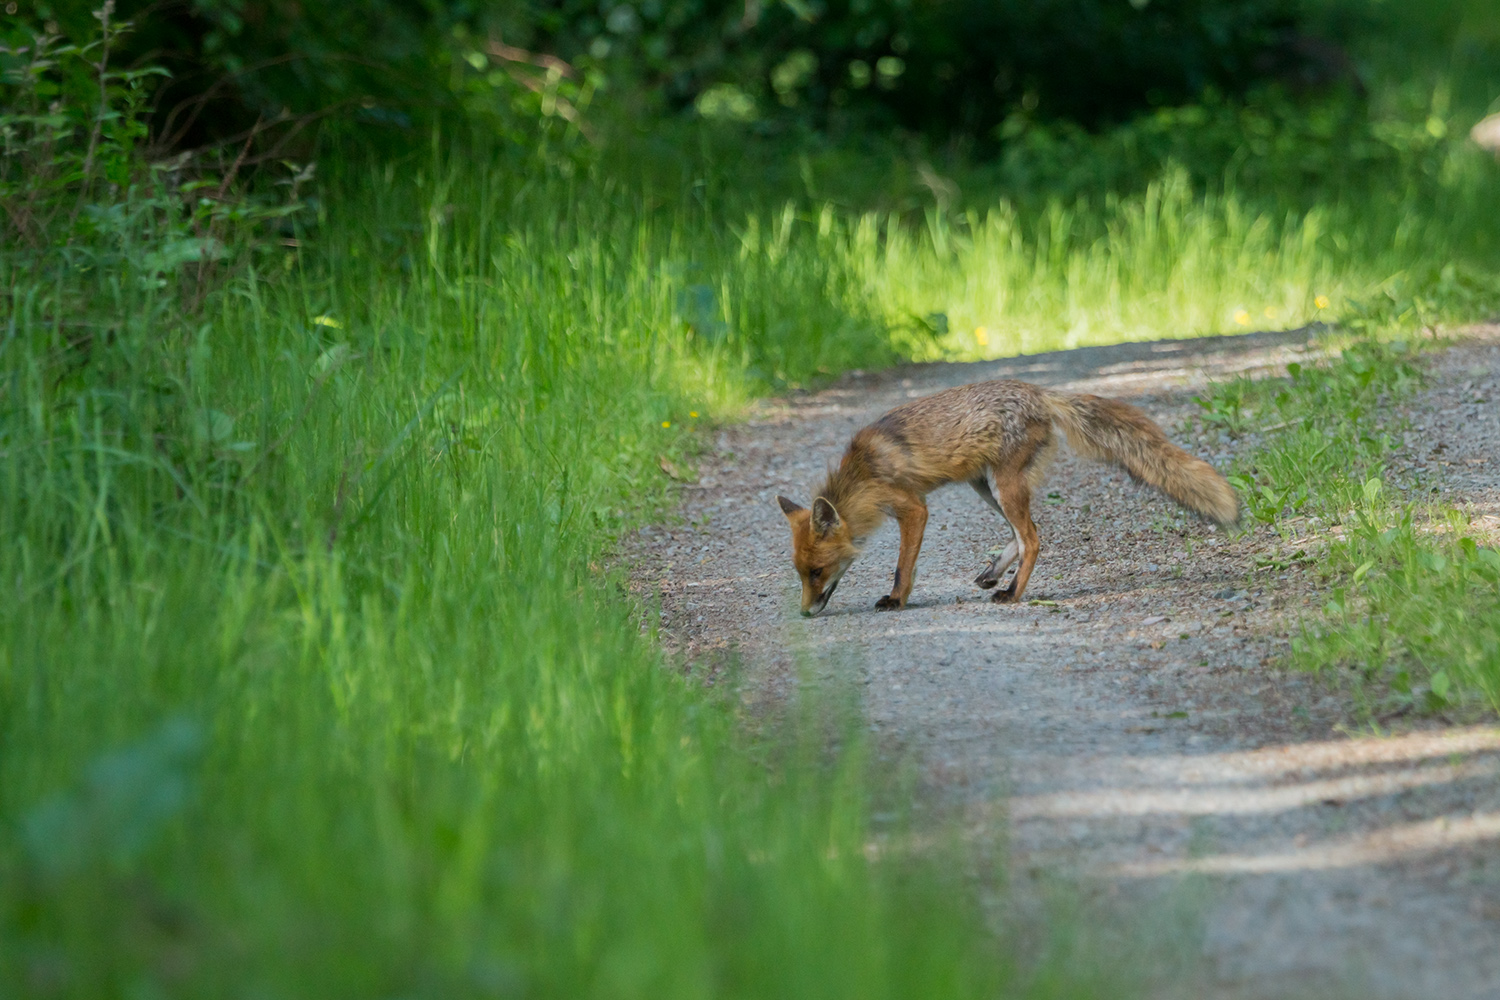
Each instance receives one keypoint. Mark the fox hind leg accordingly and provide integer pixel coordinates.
(1017, 502)
(1013, 481)
(1015, 498)
(992, 573)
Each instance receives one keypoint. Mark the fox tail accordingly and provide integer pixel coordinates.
(1112, 431)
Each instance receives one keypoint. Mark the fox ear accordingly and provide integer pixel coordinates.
(788, 507)
(824, 517)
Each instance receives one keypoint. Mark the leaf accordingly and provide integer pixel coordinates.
(1364, 568)
(212, 426)
(333, 359)
(1372, 489)
(1441, 685)
(934, 324)
(673, 472)
(124, 803)
(698, 307)
(177, 253)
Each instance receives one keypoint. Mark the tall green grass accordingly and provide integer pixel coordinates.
(305, 686)
(1007, 270)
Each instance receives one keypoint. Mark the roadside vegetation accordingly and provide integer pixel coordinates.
(307, 685)
(1413, 596)
(310, 681)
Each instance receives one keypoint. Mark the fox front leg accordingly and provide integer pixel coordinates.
(912, 517)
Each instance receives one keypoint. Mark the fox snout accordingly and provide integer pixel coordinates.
(813, 603)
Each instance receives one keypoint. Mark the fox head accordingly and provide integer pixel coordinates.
(822, 550)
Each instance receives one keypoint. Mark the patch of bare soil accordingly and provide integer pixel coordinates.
(1132, 731)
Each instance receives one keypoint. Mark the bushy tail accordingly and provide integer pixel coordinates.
(1113, 431)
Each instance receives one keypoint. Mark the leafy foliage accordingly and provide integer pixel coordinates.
(72, 126)
(79, 194)
(936, 66)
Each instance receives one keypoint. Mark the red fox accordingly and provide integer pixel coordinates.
(997, 437)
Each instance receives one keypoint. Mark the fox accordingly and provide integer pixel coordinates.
(999, 438)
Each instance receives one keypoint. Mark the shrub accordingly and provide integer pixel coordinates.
(937, 66)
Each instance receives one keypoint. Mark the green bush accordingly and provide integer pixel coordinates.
(945, 66)
(941, 67)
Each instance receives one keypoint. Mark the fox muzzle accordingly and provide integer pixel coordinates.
(821, 602)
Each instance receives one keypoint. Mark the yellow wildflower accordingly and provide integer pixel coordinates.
(666, 423)
(693, 414)
(981, 336)
(1242, 318)
(1321, 302)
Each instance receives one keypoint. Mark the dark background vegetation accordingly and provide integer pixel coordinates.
(942, 68)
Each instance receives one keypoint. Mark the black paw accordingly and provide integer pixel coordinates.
(888, 603)
(1006, 596)
(986, 580)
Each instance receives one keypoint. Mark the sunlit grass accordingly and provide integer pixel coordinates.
(1169, 263)
(1174, 261)
(1411, 592)
(1416, 609)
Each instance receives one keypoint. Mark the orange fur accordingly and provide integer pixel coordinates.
(998, 437)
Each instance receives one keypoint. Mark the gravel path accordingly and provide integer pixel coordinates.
(1125, 728)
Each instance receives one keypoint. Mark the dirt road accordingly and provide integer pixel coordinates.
(1129, 728)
